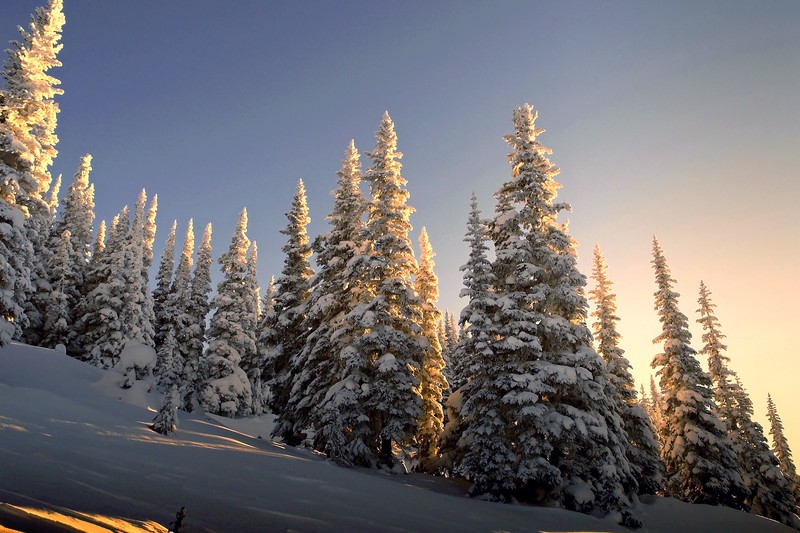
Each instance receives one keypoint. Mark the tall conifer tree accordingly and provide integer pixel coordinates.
(198, 309)
(780, 447)
(700, 463)
(642, 450)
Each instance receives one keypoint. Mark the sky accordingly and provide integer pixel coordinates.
(675, 119)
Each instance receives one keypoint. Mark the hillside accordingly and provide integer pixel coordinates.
(75, 445)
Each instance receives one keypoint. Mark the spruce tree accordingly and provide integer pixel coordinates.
(163, 284)
(388, 353)
(57, 318)
(314, 400)
(99, 242)
(698, 455)
(226, 389)
(166, 421)
(538, 422)
(133, 315)
(780, 447)
(642, 447)
(198, 310)
(288, 333)
(431, 377)
(251, 363)
(28, 115)
(769, 493)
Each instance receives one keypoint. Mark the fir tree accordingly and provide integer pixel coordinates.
(99, 242)
(478, 313)
(133, 315)
(387, 355)
(166, 421)
(315, 400)
(700, 463)
(642, 450)
(198, 310)
(431, 377)
(288, 333)
(62, 299)
(226, 389)
(780, 447)
(252, 313)
(538, 422)
(163, 284)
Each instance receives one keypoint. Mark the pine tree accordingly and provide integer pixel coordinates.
(226, 389)
(198, 310)
(769, 493)
(28, 114)
(173, 352)
(77, 217)
(477, 314)
(780, 447)
(101, 336)
(537, 418)
(474, 348)
(251, 363)
(62, 299)
(163, 284)
(387, 356)
(166, 421)
(431, 377)
(283, 360)
(642, 449)
(315, 400)
(700, 463)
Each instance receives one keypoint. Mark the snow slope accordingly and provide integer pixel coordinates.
(77, 446)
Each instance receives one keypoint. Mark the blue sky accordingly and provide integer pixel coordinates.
(672, 118)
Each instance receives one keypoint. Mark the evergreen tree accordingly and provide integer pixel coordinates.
(28, 114)
(387, 354)
(173, 352)
(133, 315)
(538, 422)
(163, 284)
(77, 217)
(769, 493)
(431, 377)
(642, 450)
(99, 242)
(287, 336)
(148, 306)
(780, 447)
(62, 300)
(656, 409)
(478, 313)
(315, 400)
(226, 389)
(101, 336)
(198, 310)
(166, 421)
(700, 462)
(250, 359)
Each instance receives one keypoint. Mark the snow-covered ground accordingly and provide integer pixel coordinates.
(77, 455)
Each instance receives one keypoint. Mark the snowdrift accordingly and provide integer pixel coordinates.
(77, 455)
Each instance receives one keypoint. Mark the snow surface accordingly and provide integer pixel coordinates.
(77, 446)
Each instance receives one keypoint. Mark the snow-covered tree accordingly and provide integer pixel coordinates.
(133, 315)
(226, 389)
(538, 423)
(148, 307)
(77, 217)
(478, 314)
(700, 462)
(100, 331)
(656, 408)
(642, 451)
(284, 344)
(163, 284)
(166, 421)
(314, 401)
(431, 376)
(28, 114)
(387, 356)
(198, 310)
(251, 363)
(173, 352)
(99, 242)
(780, 447)
(57, 318)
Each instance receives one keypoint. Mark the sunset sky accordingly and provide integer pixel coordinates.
(678, 119)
